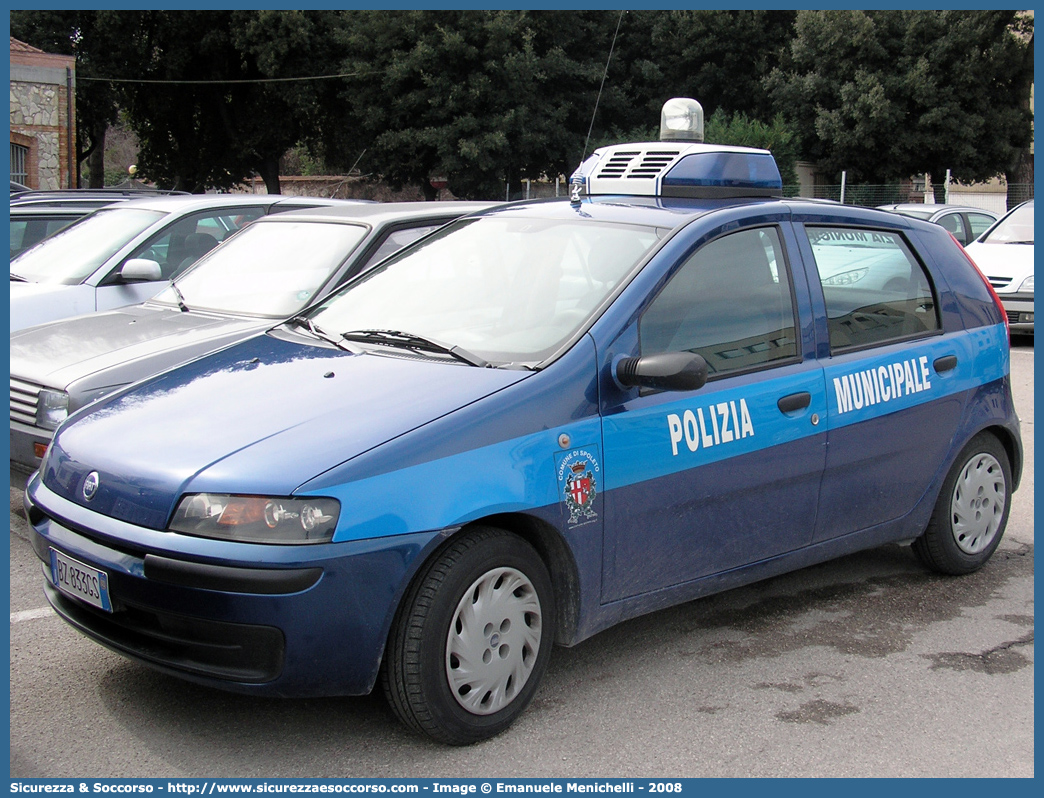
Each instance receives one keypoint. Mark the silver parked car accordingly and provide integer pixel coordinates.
(123, 254)
(265, 273)
(965, 222)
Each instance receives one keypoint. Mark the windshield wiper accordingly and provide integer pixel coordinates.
(416, 342)
(18, 278)
(319, 332)
(181, 297)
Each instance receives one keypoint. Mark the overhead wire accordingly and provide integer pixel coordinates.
(244, 80)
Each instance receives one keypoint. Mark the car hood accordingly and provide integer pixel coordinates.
(260, 417)
(36, 303)
(119, 346)
(1005, 265)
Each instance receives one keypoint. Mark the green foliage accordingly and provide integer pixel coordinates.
(488, 97)
(778, 136)
(481, 97)
(884, 94)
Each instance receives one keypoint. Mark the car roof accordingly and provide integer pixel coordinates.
(899, 207)
(78, 196)
(186, 203)
(40, 211)
(378, 213)
(664, 212)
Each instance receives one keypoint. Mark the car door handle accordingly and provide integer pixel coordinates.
(794, 401)
(948, 363)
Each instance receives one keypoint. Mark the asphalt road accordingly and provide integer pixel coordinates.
(866, 666)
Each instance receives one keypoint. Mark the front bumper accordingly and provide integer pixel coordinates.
(268, 620)
(1019, 308)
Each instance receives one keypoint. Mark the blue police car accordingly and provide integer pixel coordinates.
(542, 420)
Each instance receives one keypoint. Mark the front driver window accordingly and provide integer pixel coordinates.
(730, 302)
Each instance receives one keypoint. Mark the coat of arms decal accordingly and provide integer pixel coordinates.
(578, 478)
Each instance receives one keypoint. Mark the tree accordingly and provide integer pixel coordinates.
(886, 94)
(192, 86)
(217, 119)
(481, 97)
(777, 136)
(721, 57)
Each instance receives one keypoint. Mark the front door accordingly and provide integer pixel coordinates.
(704, 481)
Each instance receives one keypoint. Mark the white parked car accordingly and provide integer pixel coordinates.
(1004, 253)
(124, 254)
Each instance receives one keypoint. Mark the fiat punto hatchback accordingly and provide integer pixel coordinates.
(536, 423)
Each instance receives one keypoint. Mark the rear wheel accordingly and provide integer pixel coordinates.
(472, 638)
(972, 510)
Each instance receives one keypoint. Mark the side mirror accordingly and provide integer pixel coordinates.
(665, 371)
(141, 270)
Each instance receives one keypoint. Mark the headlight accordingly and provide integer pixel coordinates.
(1027, 284)
(52, 408)
(257, 519)
(846, 278)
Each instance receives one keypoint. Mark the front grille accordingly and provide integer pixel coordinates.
(24, 398)
(1019, 317)
(999, 282)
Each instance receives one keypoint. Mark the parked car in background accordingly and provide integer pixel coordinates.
(1004, 253)
(35, 215)
(31, 224)
(965, 222)
(268, 271)
(537, 422)
(123, 254)
(18, 188)
(89, 197)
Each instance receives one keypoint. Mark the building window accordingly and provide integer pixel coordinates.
(19, 163)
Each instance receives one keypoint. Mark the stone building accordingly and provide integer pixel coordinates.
(43, 118)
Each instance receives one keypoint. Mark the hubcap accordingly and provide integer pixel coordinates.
(493, 641)
(978, 502)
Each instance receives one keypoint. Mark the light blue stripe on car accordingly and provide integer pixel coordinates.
(636, 446)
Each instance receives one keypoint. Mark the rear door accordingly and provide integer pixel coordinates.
(891, 413)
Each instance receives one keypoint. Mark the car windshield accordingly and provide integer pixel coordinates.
(73, 254)
(507, 289)
(269, 269)
(1015, 228)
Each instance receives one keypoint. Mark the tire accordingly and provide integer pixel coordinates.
(972, 510)
(472, 638)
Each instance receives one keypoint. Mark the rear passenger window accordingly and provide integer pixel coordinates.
(875, 290)
(730, 302)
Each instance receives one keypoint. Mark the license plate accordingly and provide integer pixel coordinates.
(80, 581)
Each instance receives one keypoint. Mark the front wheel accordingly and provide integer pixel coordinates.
(472, 638)
(972, 510)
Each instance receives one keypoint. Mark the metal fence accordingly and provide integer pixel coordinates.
(854, 194)
(874, 195)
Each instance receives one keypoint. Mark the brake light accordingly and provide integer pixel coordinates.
(989, 287)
